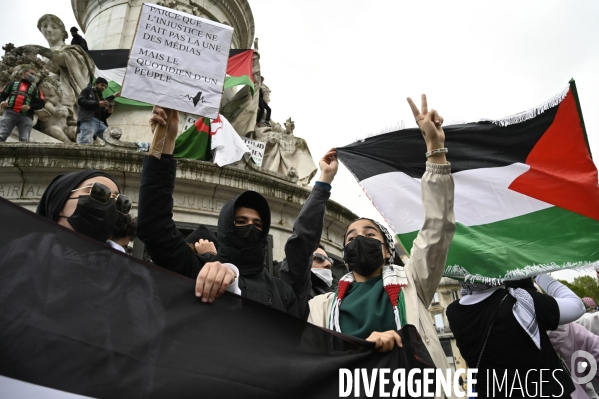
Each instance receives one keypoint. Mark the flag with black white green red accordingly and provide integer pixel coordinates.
(526, 190)
(110, 65)
(239, 68)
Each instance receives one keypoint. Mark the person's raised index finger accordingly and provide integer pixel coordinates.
(415, 110)
(424, 104)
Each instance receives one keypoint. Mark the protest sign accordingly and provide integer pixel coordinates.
(257, 149)
(189, 120)
(178, 60)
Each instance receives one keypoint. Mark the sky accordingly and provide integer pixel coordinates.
(342, 69)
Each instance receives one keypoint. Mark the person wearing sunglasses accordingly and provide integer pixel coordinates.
(87, 202)
(321, 274)
(307, 267)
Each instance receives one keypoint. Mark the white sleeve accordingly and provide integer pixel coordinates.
(233, 288)
(570, 305)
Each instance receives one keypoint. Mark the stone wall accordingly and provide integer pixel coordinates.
(201, 189)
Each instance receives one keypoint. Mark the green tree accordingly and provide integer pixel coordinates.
(584, 286)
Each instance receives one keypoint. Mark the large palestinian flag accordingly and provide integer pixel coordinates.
(80, 318)
(526, 190)
(111, 65)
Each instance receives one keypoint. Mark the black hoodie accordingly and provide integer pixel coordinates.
(165, 244)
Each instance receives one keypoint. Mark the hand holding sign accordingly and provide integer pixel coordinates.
(165, 125)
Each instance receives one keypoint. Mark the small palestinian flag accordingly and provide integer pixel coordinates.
(194, 143)
(526, 190)
(239, 69)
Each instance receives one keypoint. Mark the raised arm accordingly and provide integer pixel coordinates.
(155, 224)
(307, 231)
(429, 251)
(570, 305)
(156, 228)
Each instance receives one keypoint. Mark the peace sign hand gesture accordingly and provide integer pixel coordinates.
(430, 123)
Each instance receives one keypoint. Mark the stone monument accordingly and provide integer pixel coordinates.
(202, 187)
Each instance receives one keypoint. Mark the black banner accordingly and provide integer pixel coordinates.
(80, 317)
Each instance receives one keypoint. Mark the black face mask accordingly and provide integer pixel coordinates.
(94, 219)
(249, 234)
(363, 255)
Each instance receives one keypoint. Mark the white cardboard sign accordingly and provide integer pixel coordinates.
(257, 149)
(178, 61)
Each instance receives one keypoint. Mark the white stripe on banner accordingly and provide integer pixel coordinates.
(116, 75)
(481, 197)
(16, 389)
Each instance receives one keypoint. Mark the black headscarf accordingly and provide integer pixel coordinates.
(59, 190)
(231, 248)
(204, 233)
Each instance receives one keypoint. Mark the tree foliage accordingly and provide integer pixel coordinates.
(584, 286)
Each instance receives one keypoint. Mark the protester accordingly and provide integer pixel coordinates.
(243, 226)
(590, 320)
(487, 320)
(376, 298)
(87, 202)
(203, 243)
(18, 100)
(126, 232)
(569, 338)
(306, 266)
(321, 272)
(94, 110)
(263, 106)
(78, 39)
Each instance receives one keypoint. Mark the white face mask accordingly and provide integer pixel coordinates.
(324, 274)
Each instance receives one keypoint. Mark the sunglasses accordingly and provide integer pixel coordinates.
(320, 258)
(103, 194)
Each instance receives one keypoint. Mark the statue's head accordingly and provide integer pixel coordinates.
(51, 89)
(289, 126)
(52, 28)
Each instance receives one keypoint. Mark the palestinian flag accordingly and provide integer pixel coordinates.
(194, 143)
(80, 318)
(239, 69)
(111, 65)
(526, 190)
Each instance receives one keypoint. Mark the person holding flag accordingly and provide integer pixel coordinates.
(376, 298)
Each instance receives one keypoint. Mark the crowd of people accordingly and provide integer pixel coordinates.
(509, 328)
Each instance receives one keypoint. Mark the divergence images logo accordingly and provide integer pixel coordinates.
(587, 366)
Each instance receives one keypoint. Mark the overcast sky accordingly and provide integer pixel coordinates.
(342, 69)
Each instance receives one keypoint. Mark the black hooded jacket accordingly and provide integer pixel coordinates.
(297, 265)
(165, 244)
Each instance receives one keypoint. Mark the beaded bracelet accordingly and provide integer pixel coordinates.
(435, 152)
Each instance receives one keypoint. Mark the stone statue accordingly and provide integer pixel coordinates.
(70, 65)
(53, 117)
(256, 44)
(285, 153)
